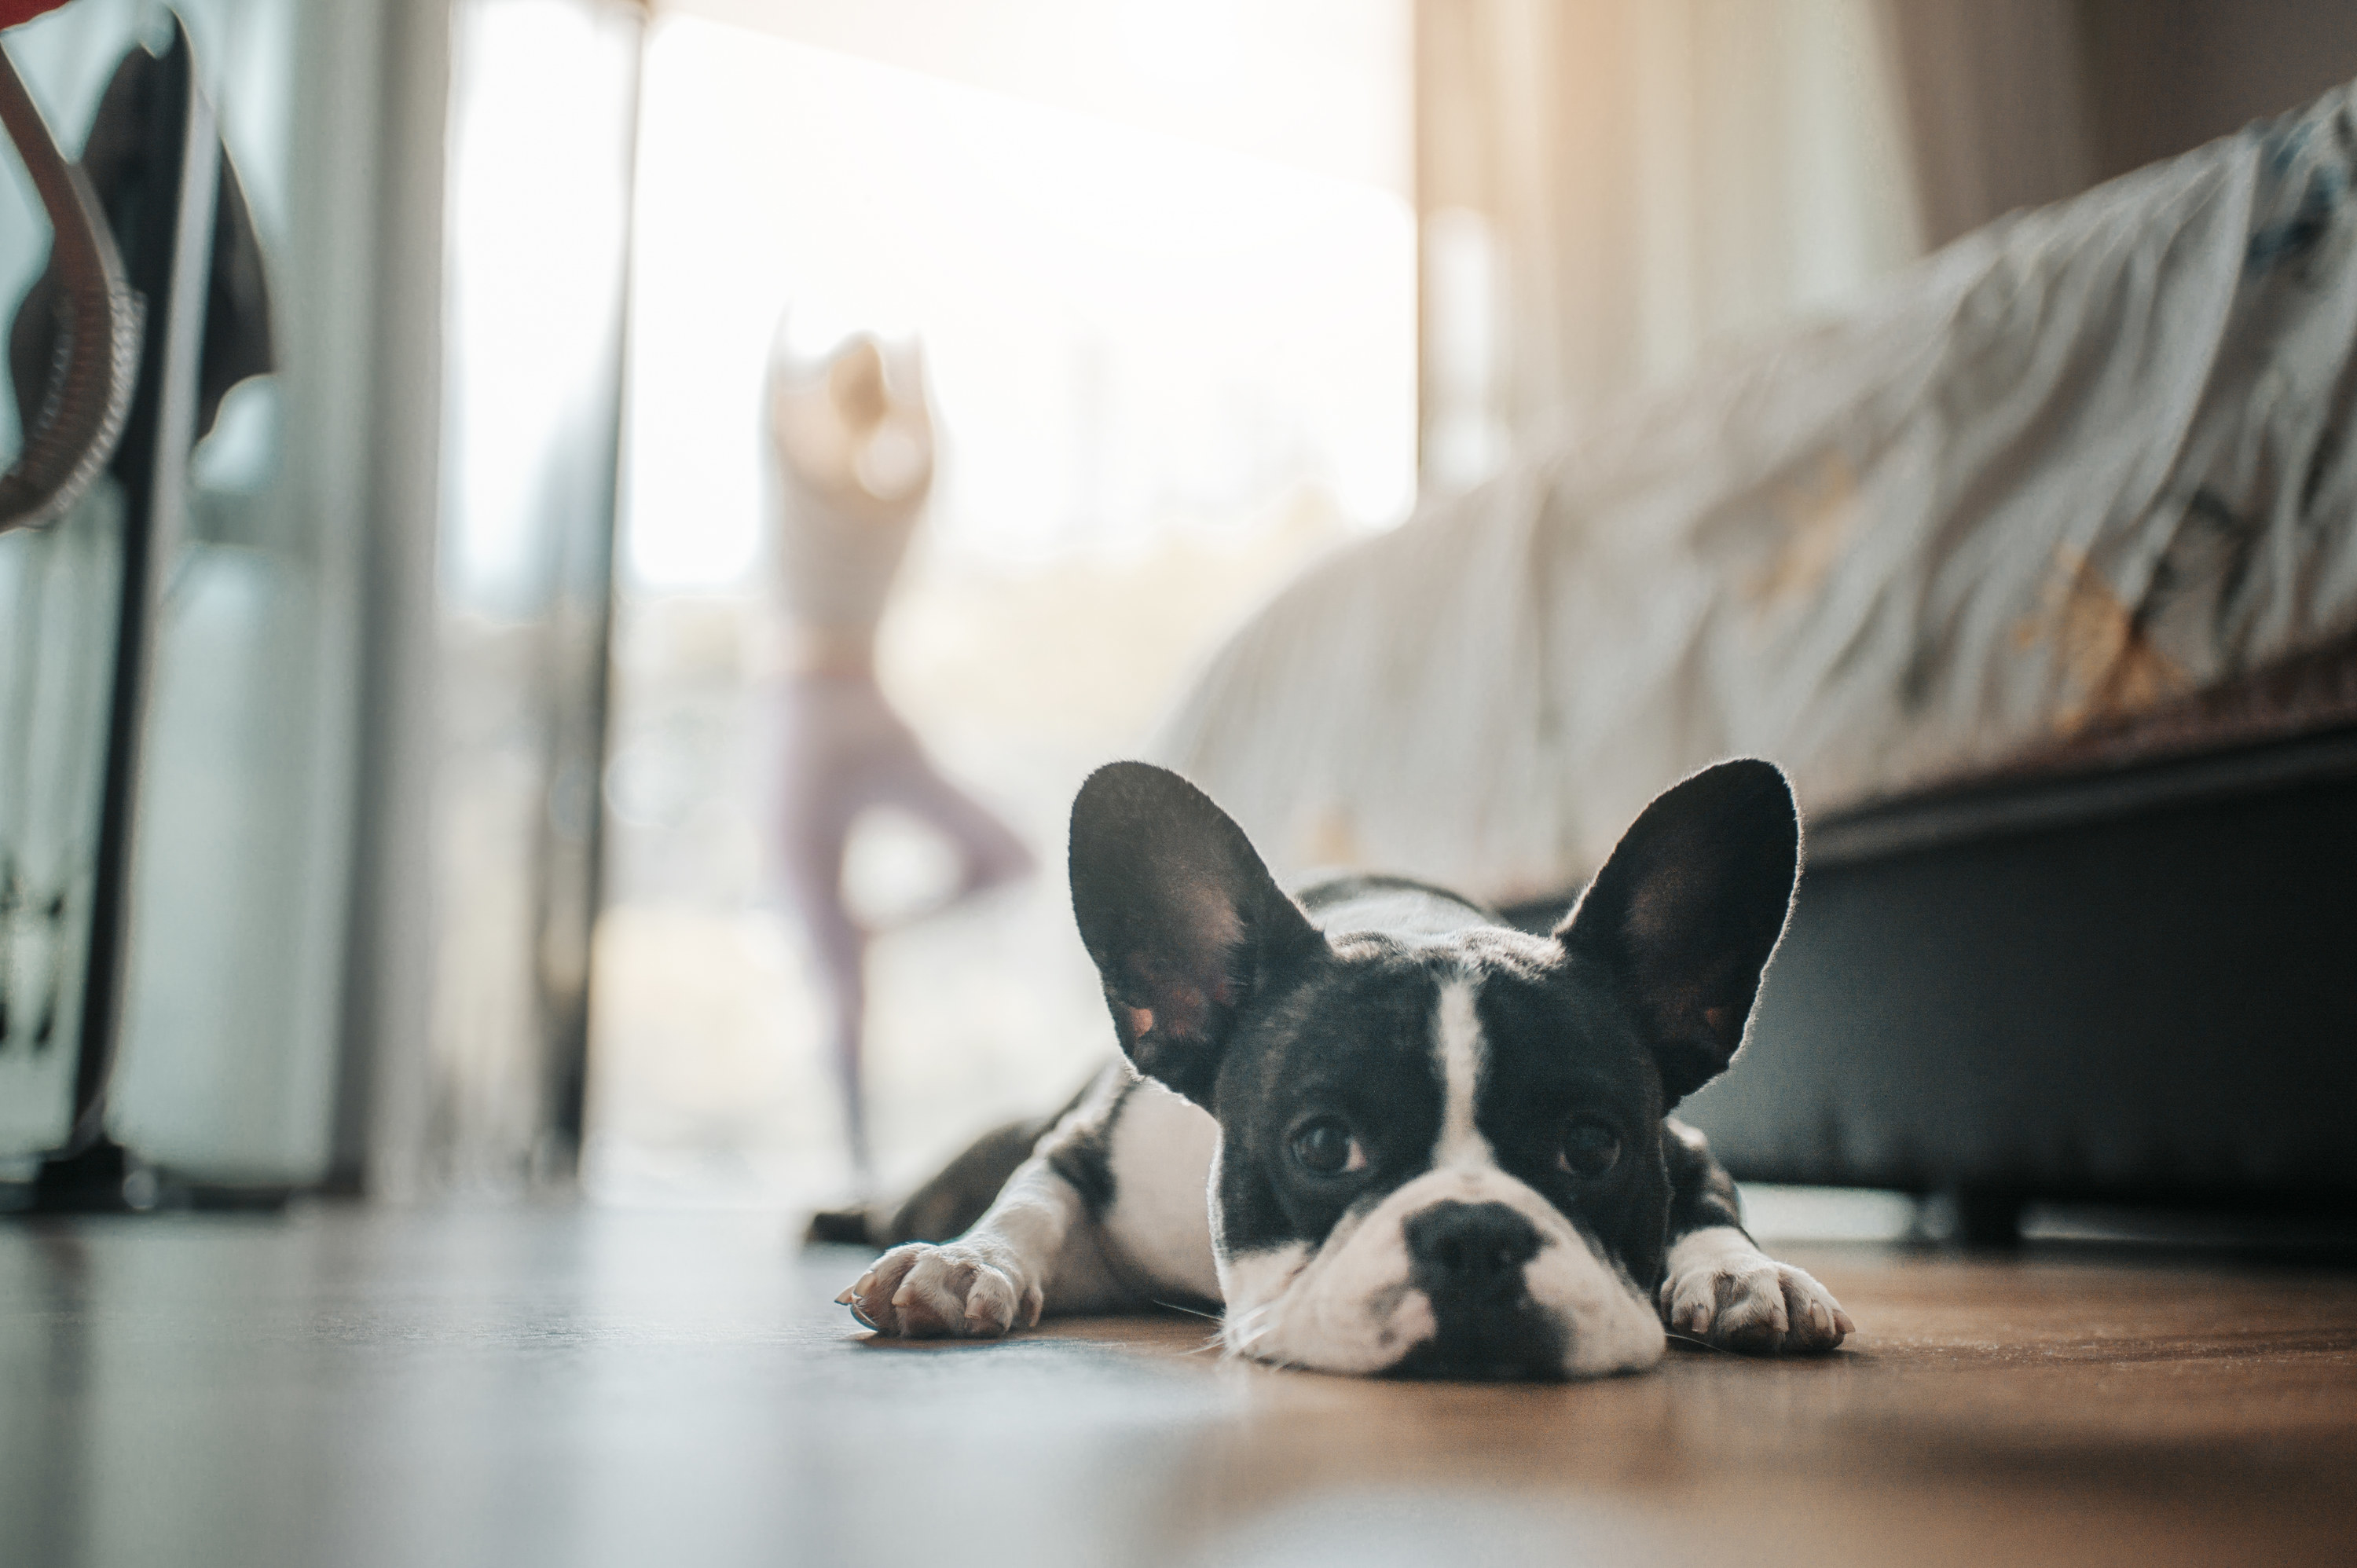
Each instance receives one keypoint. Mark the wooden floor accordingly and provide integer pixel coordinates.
(561, 1387)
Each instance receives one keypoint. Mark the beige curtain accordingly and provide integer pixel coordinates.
(1999, 113)
(1608, 187)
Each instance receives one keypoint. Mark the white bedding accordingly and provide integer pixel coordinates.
(2083, 460)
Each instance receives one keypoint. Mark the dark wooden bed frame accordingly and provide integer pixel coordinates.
(2129, 984)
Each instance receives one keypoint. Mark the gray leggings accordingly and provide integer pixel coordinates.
(842, 750)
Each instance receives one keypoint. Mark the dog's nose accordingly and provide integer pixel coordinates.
(1476, 1249)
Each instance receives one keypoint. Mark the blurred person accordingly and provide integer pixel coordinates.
(850, 444)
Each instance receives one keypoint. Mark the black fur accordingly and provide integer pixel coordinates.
(1689, 910)
(1232, 993)
(1085, 1159)
(1288, 1016)
(1186, 925)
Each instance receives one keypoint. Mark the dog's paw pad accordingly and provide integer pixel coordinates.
(921, 1292)
(1747, 1302)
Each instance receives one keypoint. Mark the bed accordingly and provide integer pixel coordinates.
(2037, 571)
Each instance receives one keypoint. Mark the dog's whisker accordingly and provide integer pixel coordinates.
(1244, 1336)
(1252, 1314)
(1190, 1311)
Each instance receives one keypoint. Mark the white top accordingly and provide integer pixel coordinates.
(851, 462)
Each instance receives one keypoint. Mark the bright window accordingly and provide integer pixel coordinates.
(1165, 285)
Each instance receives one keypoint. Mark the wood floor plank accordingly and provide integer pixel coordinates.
(566, 1386)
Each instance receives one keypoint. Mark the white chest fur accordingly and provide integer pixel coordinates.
(1160, 1220)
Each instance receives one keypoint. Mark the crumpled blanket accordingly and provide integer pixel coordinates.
(2081, 462)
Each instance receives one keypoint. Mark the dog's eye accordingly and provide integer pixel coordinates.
(1590, 1148)
(1325, 1147)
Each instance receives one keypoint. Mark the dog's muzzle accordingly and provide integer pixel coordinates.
(1470, 1261)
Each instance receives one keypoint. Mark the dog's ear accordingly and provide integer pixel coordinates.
(1182, 918)
(1689, 910)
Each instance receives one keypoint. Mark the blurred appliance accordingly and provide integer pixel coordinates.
(172, 678)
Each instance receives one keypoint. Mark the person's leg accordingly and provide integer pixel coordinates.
(842, 750)
(813, 887)
(989, 852)
(819, 795)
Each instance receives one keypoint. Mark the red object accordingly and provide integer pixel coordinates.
(14, 11)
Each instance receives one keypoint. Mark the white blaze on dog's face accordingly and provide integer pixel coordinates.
(1440, 1139)
(1375, 1225)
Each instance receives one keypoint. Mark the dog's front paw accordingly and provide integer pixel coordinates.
(924, 1292)
(1734, 1297)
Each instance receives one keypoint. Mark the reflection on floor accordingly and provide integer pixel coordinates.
(574, 1387)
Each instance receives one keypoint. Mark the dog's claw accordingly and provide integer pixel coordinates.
(925, 1290)
(1737, 1299)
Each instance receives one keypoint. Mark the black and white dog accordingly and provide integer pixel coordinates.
(1432, 1144)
